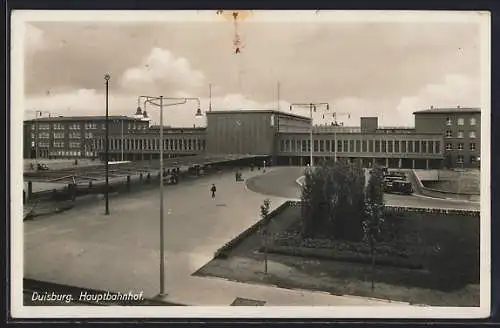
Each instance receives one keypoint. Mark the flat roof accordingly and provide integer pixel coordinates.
(157, 127)
(82, 118)
(450, 110)
(247, 111)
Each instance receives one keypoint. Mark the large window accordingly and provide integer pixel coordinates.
(377, 146)
(417, 146)
(472, 134)
(448, 121)
(460, 159)
(437, 146)
(339, 146)
(460, 121)
(384, 146)
(410, 146)
(460, 146)
(315, 145)
(358, 146)
(448, 146)
(328, 145)
(472, 121)
(370, 146)
(351, 146)
(472, 146)
(423, 146)
(403, 146)
(460, 134)
(390, 146)
(364, 147)
(321, 145)
(396, 146)
(304, 146)
(449, 134)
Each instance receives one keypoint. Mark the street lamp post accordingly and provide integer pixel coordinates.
(312, 108)
(106, 154)
(122, 140)
(336, 124)
(161, 105)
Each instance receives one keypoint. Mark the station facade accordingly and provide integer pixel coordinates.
(285, 139)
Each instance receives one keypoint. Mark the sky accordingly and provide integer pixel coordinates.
(385, 69)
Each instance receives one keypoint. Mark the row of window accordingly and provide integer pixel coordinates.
(461, 121)
(88, 126)
(460, 146)
(472, 159)
(460, 134)
(59, 144)
(363, 146)
(72, 153)
(152, 144)
(60, 135)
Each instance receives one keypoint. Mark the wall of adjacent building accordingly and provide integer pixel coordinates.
(461, 141)
(240, 133)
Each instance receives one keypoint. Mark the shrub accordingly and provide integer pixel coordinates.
(333, 201)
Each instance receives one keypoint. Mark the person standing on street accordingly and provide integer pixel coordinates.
(213, 190)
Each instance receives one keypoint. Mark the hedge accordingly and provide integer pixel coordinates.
(328, 254)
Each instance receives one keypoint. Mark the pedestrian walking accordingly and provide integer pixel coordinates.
(213, 190)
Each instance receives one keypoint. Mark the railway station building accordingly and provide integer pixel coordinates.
(441, 137)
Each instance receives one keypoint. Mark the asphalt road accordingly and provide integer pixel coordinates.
(282, 183)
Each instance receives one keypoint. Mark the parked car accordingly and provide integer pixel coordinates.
(395, 184)
(42, 167)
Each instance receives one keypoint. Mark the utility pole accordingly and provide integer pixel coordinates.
(106, 155)
(312, 108)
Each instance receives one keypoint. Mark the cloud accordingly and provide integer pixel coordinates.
(455, 90)
(162, 70)
(84, 102)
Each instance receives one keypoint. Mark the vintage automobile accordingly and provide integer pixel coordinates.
(397, 184)
(42, 167)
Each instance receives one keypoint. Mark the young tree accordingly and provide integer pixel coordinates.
(333, 200)
(374, 213)
(264, 212)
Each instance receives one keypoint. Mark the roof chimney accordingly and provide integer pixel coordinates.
(432, 107)
(458, 106)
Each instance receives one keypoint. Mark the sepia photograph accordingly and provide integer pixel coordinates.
(248, 163)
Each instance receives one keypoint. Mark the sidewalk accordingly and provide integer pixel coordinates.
(120, 252)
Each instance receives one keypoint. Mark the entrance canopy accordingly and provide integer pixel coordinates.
(97, 173)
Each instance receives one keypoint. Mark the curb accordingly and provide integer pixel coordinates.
(298, 181)
(448, 199)
(422, 187)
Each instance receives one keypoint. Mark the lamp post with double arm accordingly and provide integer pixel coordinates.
(106, 154)
(159, 102)
(336, 123)
(313, 107)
